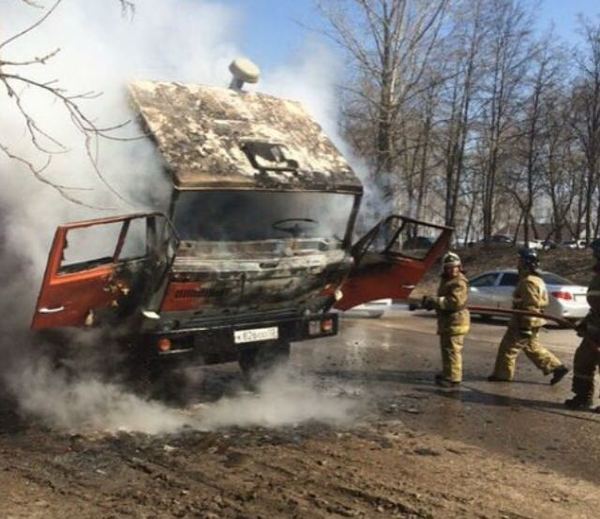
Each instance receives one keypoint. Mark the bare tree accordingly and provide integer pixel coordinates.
(559, 164)
(541, 89)
(586, 125)
(17, 78)
(389, 44)
(469, 116)
(469, 33)
(509, 47)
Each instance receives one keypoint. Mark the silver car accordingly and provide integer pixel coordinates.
(495, 288)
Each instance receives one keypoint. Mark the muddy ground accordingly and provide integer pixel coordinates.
(381, 469)
(400, 447)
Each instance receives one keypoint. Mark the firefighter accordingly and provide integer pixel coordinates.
(587, 355)
(522, 333)
(452, 317)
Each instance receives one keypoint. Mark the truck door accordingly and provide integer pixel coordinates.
(99, 267)
(391, 259)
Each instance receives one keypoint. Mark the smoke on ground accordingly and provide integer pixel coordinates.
(281, 398)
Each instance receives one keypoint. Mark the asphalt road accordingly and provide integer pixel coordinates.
(392, 360)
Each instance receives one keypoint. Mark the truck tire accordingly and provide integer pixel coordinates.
(150, 382)
(256, 361)
(139, 377)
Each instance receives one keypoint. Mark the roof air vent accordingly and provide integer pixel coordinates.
(243, 71)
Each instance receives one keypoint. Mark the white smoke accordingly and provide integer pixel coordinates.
(87, 405)
(100, 51)
(280, 399)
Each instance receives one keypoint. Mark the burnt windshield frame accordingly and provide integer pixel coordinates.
(344, 236)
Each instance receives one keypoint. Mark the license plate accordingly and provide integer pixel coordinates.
(256, 334)
(580, 298)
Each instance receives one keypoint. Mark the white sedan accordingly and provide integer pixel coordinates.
(495, 289)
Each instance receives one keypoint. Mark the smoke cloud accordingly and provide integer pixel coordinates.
(100, 51)
(280, 399)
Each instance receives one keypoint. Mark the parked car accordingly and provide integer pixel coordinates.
(372, 309)
(495, 288)
(497, 240)
(549, 244)
(501, 238)
(532, 244)
(573, 244)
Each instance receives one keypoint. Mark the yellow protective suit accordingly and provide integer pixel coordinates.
(453, 323)
(523, 331)
(587, 355)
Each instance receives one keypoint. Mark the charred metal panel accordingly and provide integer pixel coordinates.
(215, 138)
(242, 284)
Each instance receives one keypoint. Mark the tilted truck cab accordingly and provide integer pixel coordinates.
(256, 250)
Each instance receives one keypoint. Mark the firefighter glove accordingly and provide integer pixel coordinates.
(428, 303)
(580, 328)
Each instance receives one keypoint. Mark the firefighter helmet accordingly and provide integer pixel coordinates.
(529, 257)
(451, 259)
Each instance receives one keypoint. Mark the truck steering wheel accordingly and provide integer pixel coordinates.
(295, 229)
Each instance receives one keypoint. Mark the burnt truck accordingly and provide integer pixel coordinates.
(256, 250)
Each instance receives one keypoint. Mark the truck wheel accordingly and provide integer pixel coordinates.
(139, 377)
(257, 361)
(148, 382)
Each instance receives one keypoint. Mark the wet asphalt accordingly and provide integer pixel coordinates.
(390, 363)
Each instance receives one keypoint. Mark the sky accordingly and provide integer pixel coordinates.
(274, 32)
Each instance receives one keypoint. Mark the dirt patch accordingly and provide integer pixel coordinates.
(384, 469)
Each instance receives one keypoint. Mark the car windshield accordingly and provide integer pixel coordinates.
(509, 279)
(259, 215)
(553, 279)
(485, 280)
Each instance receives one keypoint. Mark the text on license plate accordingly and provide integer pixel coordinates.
(256, 334)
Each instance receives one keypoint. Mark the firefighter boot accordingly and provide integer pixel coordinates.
(558, 374)
(440, 380)
(578, 402)
(494, 378)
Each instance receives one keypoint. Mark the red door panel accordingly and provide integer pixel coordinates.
(391, 259)
(69, 295)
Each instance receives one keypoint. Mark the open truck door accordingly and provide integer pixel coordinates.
(101, 267)
(391, 259)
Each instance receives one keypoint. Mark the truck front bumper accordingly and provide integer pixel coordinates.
(222, 341)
